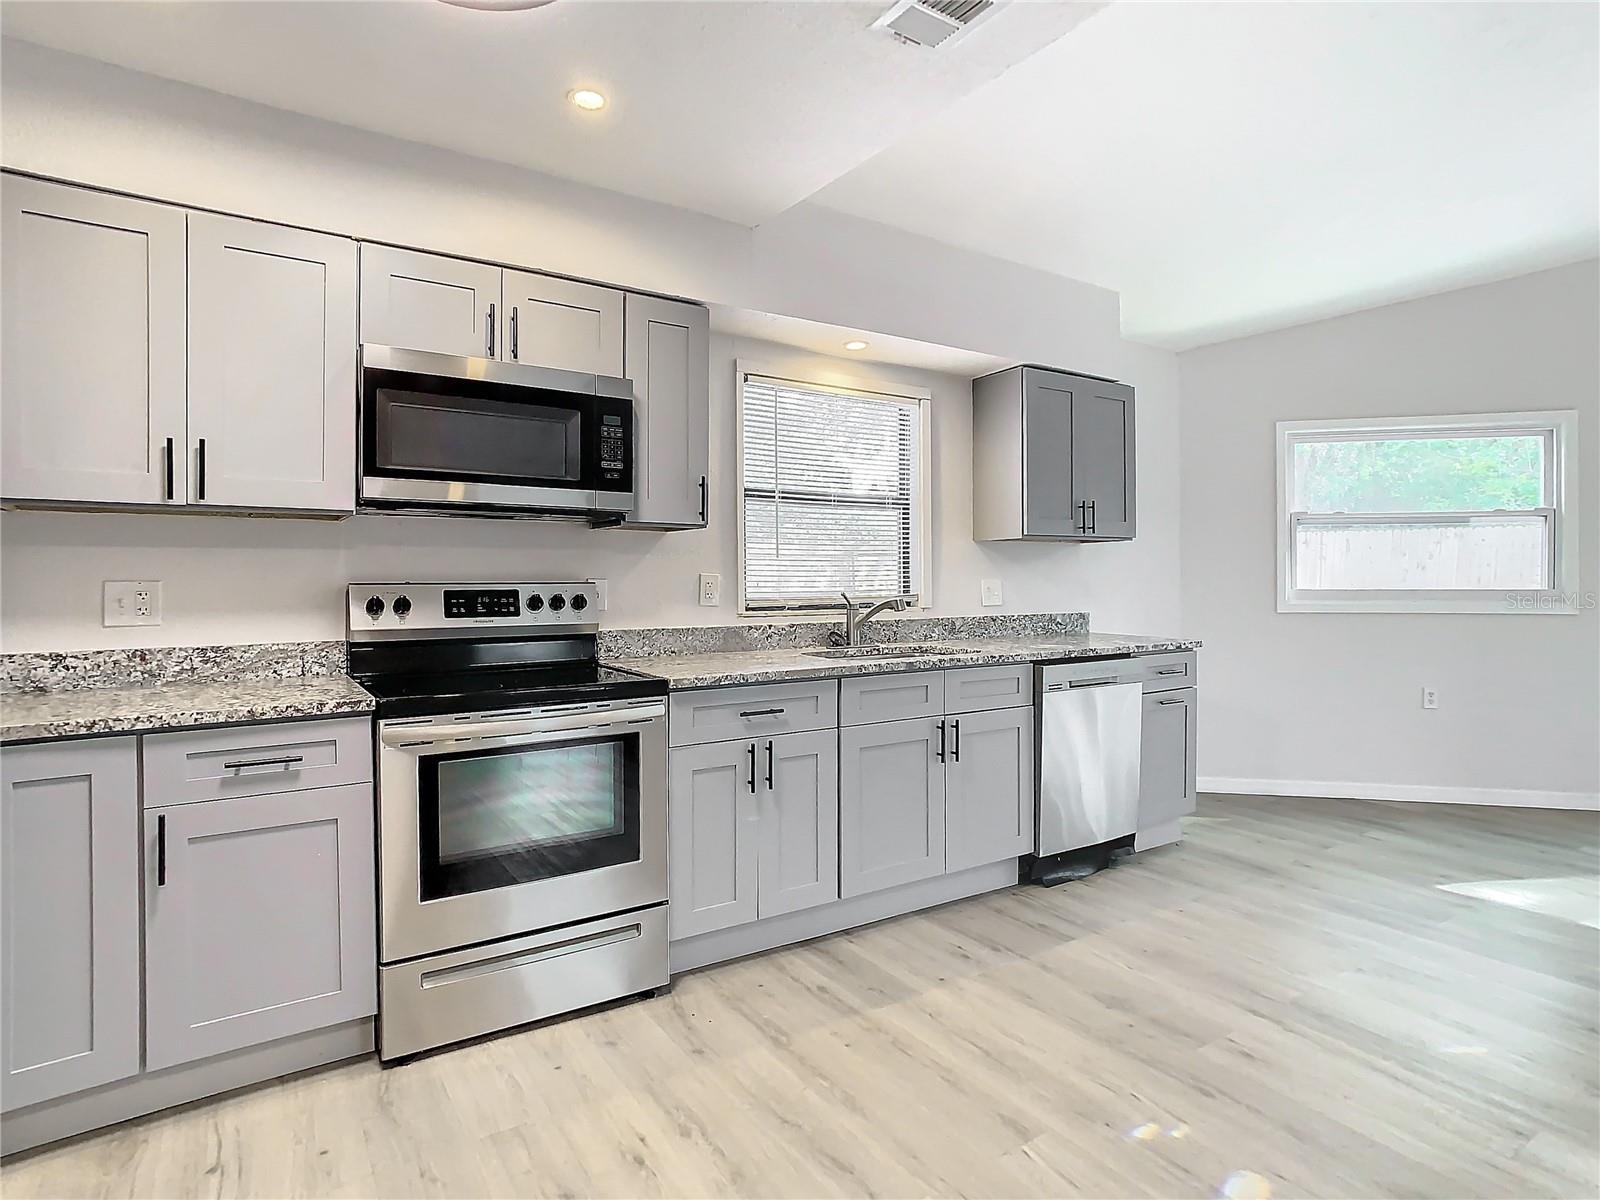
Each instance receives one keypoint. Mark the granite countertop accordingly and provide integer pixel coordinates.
(82, 712)
(776, 665)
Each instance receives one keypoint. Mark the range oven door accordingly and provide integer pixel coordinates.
(442, 433)
(495, 825)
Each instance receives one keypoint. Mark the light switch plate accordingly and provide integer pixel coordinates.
(132, 602)
(991, 593)
(710, 590)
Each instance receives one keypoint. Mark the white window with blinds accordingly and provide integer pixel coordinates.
(832, 494)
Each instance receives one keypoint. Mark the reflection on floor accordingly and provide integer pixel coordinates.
(1285, 1005)
(1569, 897)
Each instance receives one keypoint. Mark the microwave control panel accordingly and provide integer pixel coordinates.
(613, 447)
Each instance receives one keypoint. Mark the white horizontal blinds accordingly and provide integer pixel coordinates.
(831, 484)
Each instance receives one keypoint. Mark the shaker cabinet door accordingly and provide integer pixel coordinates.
(799, 856)
(668, 360)
(989, 791)
(562, 323)
(713, 834)
(69, 923)
(272, 366)
(1103, 459)
(259, 920)
(92, 348)
(1167, 757)
(891, 804)
(429, 302)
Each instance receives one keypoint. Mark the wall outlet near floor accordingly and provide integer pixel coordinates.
(132, 602)
(1430, 697)
(599, 594)
(710, 590)
(991, 592)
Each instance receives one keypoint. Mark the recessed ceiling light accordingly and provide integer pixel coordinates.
(587, 99)
(855, 345)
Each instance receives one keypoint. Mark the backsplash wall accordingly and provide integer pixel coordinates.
(233, 579)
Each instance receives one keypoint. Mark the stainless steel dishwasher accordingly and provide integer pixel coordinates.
(1090, 718)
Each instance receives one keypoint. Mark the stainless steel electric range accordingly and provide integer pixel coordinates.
(522, 809)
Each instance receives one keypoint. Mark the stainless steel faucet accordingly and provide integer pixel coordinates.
(855, 617)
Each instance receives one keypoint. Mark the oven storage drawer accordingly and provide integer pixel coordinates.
(449, 997)
(722, 714)
(252, 760)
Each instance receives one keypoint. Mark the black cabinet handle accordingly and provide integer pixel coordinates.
(171, 451)
(762, 712)
(287, 760)
(1083, 516)
(769, 766)
(703, 500)
(513, 333)
(200, 469)
(161, 850)
(752, 748)
(940, 750)
(955, 751)
(1171, 671)
(490, 324)
(1178, 701)
(1091, 516)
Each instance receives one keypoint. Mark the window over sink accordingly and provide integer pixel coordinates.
(1472, 513)
(832, 494)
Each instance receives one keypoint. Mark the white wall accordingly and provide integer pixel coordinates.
(1329, 704)
(234, 579)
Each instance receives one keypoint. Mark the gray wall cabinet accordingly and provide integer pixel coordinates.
(1043, 420)
(668, 358)
(429, 302)
(92, 366)
(799, 831)
(891, 804)
(713, 836)
(989, 792)
(69, 991)
(1167, 757)
(551, 322)
(272, 366)
(259, 920)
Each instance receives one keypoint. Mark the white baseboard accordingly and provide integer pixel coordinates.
(1409, 792)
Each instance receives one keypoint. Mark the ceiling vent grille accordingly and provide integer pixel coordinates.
(931, 22)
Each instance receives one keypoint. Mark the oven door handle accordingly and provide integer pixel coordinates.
(407, 736)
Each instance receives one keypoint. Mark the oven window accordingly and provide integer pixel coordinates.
(494, 818)
(460, 437)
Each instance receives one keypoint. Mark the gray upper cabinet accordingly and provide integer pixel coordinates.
(668, 355)
(799, 835)
(561, 323)
(891, 804)
(713, 834)
(69, 924)
(92, 292)
(1167, 757)
(989, 787)
(1053, 457)
(429, 302)
(272, 366)
(259, 920)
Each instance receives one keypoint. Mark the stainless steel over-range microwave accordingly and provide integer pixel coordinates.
(442, 434)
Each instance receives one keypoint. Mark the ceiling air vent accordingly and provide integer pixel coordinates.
(931, 22)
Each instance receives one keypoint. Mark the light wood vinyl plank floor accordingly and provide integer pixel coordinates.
(1285, 1005)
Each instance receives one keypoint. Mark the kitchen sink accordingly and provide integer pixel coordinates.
(907, 650)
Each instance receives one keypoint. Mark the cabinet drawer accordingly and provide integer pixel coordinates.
(1163, 672)
(977, 689)
(248, 760)
(865, 699)
(721, 714)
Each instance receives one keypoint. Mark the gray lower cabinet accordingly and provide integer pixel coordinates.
(1167, 757)
(799, 835)
(712, 837)
(891, 804)
(989, 787)
(69, 924)
(259, 920)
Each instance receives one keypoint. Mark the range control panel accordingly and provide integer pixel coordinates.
(421, 609)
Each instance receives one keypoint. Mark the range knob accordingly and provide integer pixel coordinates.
(535, 602)
(375, 607)
(580, 602)
(402, 606)
(557, 602)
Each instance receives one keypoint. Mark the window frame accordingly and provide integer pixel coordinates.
(846, 383)
(1561, 487)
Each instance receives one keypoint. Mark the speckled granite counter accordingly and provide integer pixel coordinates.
(84, 712)
(777, 665)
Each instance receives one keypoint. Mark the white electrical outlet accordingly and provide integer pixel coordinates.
(991, 593)
(132, 602)
(710, 590)
(1430, 697)
(599, 594)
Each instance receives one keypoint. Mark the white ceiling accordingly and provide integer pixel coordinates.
(1227, 168)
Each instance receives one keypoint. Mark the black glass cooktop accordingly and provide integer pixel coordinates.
(486, 689)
